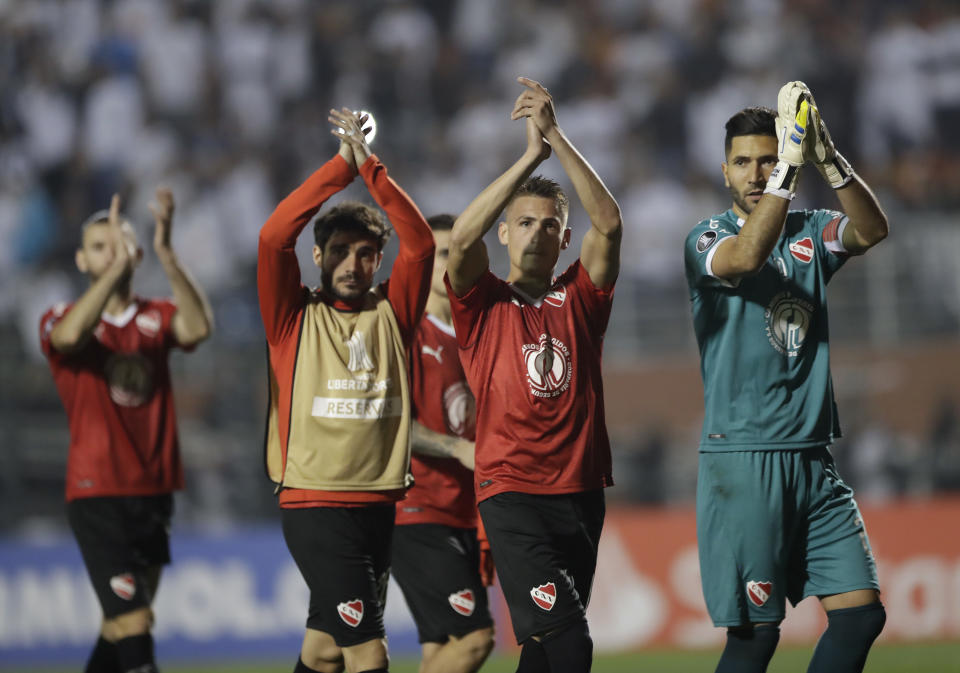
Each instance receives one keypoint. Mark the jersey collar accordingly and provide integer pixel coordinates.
(122, 319)
(440, 325)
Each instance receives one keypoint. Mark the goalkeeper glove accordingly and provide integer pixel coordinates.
(791, 124)
(832, 165)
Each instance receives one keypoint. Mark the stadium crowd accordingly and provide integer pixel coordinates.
(226, 101)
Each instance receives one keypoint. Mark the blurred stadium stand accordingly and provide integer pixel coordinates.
(226, 102)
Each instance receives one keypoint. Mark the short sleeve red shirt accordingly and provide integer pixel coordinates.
(534, 367)
(443, 488)
(117, 395)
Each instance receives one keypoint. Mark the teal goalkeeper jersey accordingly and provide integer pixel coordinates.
(764, 351)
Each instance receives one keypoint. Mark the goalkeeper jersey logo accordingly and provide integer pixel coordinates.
(788, 322)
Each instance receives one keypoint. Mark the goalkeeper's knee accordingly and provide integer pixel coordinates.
(749, 649)
(846, 642)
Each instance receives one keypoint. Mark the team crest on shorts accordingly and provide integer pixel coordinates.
(124, 586)
(351, 612)
(463, 602)
(759, 592)
(545, 596)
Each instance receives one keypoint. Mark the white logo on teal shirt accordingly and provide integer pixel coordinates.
(788, 320)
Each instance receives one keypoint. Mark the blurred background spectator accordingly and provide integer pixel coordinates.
(226, 101)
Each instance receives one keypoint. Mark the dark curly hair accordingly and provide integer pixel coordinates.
(537, 185)
(751, 121)
(352, 216)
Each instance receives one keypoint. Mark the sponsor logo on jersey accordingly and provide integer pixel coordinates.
(759, 592)
(545, 596)
(426, 350)
(460, 409)
(555, 298)
(463, 602)
(706, 239)
(802, 249)
(351, 612)
(130, 379)
(548, 366)
(788, 321)
(124, 586)
(149, 322)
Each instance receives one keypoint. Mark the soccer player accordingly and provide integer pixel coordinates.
(338, 435)
(531, 349)
(774, 519)
(436, 559)
(108, 353)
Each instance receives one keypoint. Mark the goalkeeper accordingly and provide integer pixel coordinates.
(774, 519)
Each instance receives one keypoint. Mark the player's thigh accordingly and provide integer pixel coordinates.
(532, 562)
(744, 535)
(837, 557)
(437, 569)
(122, 548)
(340, 553)
(588, 511)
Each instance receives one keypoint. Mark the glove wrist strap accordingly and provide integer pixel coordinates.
(836, 171)
(783, 180)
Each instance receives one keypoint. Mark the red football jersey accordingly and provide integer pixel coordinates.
(443, 488)
(534, 367)
(116, 391)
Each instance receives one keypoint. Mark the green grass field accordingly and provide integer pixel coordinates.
(922, 658)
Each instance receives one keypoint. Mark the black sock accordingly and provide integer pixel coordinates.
(103, 659)
(843, 647)
(135, 654)
(532, 658)
(376, 670)
(749, 650)
(302, 667)
(569, 649)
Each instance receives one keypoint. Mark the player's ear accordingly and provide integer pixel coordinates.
(565, 241)
(726, 180)
(502, 232)
(317, 255)
(81, 259)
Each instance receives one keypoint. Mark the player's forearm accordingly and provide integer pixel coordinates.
(749, 250)
(413, 232)
(598, 202)
(193, 321)
(867, 224)
(425, 441)
(74, 329)
(477, 218)
(294, 213)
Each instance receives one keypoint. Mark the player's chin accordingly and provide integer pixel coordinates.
(350, 292)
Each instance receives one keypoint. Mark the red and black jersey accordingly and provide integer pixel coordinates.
(443, 488)
(119, 402)
(534, 367)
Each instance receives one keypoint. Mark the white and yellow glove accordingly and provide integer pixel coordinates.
(832, 165)
(792, 117)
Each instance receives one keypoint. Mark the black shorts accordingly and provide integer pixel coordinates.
(121, 538)
(343, 554)
(437, 568)
(545, 551)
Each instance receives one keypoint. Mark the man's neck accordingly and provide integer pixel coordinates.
(118, 301)
(439, 307)
(533, 287)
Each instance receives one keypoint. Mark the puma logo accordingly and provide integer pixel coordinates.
(435, 353)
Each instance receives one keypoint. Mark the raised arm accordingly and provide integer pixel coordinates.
(468, 255)
(867, 223)
(775, 172)
(600, 253)
(72, 332)
(193, 321)
(278, 271)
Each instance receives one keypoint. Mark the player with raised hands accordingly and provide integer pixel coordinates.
(774, 520)
(108, 352)
(337, 443)
(531, 349)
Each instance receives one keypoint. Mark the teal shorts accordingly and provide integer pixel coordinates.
(776, 525)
